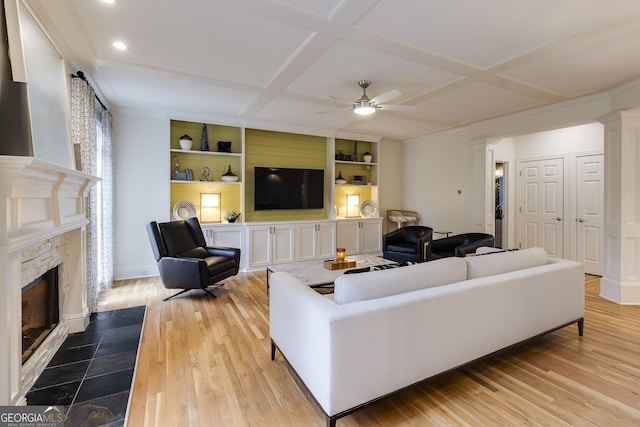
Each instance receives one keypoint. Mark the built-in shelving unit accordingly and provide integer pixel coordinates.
(350, 168)
(208, 167)
(268, 237)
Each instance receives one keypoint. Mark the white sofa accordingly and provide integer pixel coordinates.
(382, 331)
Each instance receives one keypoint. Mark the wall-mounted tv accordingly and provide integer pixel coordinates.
(288, 188)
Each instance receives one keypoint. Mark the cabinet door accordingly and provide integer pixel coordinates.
(371, 235)
(348, 236)
(306, 242)
(259, 246)
(326, 240)
(232, 237)
(282, 241)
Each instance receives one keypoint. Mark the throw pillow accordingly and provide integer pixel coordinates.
(377, 284)
(504, 262)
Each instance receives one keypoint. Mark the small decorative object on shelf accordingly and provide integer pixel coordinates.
(354, 156)
(229, 176)
(340, 180)
(231, 216)
(367, 157)
(340, 155)
(206, 175)
(224, 146)
(176, 164)
(204, 138)
(186, 142)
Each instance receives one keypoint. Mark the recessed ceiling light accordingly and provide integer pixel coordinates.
(120, 45)
(109, 1)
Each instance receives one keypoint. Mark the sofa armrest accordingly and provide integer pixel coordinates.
(183, 273)
(300, 325)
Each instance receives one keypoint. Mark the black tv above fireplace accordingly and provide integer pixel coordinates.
(288, 188)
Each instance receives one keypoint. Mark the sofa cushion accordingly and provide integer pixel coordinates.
(377, 284)
(491, 264)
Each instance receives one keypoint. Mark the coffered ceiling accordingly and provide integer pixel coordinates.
(277, 61)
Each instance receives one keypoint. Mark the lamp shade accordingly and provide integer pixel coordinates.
(15, 127)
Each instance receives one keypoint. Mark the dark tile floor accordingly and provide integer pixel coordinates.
(91, 374)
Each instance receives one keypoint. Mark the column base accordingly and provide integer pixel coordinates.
(625, 293)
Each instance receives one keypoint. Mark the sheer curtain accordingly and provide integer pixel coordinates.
(91, 130)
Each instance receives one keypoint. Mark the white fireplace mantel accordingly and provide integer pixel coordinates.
(40, 201)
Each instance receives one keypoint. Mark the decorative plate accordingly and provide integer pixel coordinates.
(368, 208)
(184, 209)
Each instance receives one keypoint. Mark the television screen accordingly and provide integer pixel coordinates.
(287, 188)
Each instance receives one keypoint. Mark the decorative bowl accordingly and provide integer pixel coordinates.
(229, 178)
(186, 144)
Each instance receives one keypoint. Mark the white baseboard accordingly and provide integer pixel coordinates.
(136, 272)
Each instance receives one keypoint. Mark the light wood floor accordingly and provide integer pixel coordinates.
(206, 362)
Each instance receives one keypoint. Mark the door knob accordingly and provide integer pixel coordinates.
(558, 218)
(579, 219)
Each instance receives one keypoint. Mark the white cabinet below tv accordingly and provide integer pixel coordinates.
(270, 244)
(359, 235)
(315, 240)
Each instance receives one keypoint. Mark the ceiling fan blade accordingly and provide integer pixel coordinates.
(334, 111)
(387, 96)
(401, 108)
(341, 100)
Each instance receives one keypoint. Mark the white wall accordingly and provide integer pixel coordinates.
(575, 139)
(141, 188)
(435, 170)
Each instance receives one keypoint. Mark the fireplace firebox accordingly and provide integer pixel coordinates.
(40, 311)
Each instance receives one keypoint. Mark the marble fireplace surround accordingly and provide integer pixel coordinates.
(43, 225)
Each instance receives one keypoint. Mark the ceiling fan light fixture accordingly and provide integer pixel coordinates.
(363, 108)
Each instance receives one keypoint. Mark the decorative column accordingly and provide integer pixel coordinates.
(621, 280)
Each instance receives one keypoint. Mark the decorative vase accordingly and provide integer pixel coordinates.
(367, 157)
(229, 176)
(204, 138)
(186, 142)
(340, 180)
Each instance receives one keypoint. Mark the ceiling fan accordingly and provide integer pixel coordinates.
(365, 106)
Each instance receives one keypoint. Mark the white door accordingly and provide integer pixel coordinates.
(589, 212)
(541, 206)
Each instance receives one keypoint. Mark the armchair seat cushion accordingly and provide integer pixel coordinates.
(402, 248)
(217, 264)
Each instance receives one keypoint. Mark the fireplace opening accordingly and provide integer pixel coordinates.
(40, 311)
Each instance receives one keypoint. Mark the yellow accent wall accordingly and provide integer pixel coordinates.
(229, 199)
(279, 149)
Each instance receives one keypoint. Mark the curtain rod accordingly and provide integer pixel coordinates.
(80, 75)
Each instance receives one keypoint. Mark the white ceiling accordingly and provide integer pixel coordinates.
(261, 61)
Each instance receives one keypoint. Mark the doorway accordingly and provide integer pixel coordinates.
(500, 204)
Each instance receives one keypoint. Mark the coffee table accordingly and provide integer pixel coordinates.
(315, 275)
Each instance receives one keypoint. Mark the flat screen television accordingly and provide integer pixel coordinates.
(288, 188)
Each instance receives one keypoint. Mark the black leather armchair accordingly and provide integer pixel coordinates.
(407, 244)
(184, 260)
(459, 245)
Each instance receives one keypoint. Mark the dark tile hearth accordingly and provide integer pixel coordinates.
(91, 374)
